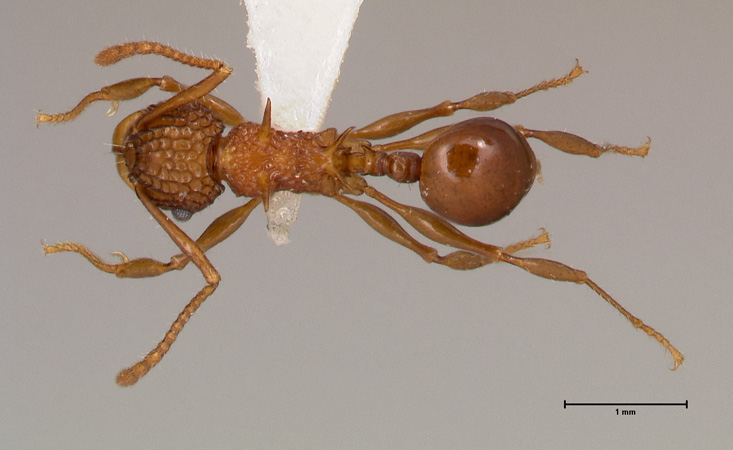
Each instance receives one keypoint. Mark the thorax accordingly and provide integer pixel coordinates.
(254, 165)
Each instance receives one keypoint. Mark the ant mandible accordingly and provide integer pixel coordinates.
(175, 157)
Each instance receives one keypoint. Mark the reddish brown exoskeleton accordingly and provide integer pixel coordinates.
(175, 156)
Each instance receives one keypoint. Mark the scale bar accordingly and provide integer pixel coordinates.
(566, 404)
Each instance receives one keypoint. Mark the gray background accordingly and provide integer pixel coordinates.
(343, 339)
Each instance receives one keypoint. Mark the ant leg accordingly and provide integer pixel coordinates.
(221, 109)
(418, 143)
(543, 238)
(387, 226)
(129, 89)
(135, 87)
(131, 375)
(220, 71)
(124, 90)
(576, 145)
(220, 229)
(558, 271)
(439, 230)
(486, 101)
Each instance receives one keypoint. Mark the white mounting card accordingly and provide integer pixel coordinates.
(299, 46)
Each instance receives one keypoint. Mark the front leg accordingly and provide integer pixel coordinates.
(129, 376)
(220, 229)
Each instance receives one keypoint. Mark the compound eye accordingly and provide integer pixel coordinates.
(181, 215)
(477, 171)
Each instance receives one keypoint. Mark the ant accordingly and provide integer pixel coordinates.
(175, 157)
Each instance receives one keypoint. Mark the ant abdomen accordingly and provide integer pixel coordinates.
(477, 171)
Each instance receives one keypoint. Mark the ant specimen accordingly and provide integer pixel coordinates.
(175, 157)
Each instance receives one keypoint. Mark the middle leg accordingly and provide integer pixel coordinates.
(388, 227)
(486, 101)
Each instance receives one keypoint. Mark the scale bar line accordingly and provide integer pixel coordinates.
(566, 404)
